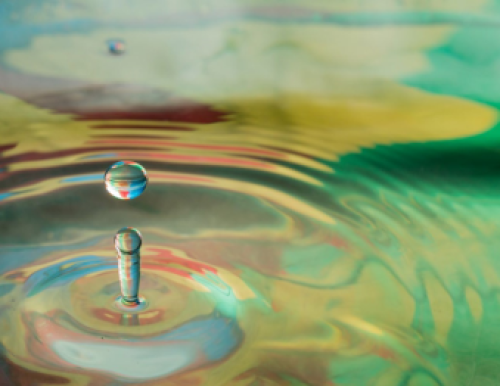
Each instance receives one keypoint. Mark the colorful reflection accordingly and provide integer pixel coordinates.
(125, 180)
(322, 204)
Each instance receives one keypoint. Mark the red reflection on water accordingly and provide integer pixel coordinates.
(200, 159)
(165, 256)
(339, 242)
(22, 376)
(172, 144)
(189, 113)
(36, 156)
(142, 126)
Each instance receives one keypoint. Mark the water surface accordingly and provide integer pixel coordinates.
(322, 205)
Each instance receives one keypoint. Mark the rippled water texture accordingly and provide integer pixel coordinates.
(322, 204)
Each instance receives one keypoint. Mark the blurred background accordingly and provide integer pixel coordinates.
(323, 199)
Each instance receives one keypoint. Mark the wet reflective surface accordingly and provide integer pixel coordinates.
(322, 204)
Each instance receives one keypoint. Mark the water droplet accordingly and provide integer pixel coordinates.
(128, 241)
(125, 180)
(116, 47)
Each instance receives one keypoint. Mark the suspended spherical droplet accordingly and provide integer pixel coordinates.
(128, 241)
(125, 180)
(116, 47)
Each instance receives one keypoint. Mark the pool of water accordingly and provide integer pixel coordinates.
(323, 198)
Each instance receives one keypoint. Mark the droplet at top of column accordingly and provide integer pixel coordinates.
(128, 241)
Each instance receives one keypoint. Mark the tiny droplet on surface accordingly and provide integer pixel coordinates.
(125, 180)
(116, 47)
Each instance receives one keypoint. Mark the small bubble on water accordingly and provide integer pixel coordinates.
(128, 241)
(116, 47)
(125, 180)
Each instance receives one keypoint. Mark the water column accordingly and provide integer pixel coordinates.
(128, 244)
(127, 180)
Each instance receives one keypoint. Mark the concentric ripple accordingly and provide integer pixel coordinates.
(265, 257)
(309, 218)
(65, 311)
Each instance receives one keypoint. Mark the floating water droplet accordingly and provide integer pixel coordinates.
(128, 244)
(116, 47)
(125, 180)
